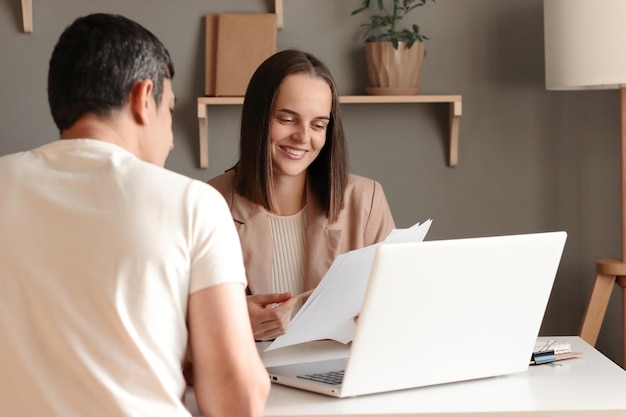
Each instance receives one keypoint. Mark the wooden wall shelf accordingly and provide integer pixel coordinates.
(454, 102)
(27, 14)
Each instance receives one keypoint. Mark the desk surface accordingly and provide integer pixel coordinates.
(588, 386)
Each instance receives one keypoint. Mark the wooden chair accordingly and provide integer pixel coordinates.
(609, 272)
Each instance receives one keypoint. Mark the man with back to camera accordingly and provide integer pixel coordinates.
(111, 266)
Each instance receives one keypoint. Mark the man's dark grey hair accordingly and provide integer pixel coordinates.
(96, 62)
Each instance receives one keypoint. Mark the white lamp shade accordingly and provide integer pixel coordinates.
(585, 44)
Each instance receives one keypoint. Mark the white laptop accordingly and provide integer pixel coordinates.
(442, 311)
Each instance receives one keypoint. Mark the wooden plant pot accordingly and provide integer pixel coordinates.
(394, 71)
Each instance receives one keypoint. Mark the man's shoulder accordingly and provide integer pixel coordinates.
(170, 184)
(10, 158)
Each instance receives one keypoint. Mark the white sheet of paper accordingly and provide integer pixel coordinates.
(330, 310)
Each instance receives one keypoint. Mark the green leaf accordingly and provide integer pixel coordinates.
(384, 23)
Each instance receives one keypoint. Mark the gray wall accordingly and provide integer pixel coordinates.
(530, 159)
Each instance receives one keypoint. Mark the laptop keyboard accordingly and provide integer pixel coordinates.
(330, 378)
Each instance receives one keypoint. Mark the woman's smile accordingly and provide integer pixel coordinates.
(293, 152)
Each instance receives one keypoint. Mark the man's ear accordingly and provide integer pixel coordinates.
(140, 100)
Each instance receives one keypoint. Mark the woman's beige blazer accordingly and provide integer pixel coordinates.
(365, 219)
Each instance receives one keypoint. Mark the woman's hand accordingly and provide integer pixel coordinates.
(270, 314)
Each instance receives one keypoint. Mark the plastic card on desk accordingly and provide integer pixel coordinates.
(541, 346)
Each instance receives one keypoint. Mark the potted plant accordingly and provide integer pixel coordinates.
(394, 53)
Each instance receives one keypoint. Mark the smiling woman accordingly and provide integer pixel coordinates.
(297, 135)
(294, 203)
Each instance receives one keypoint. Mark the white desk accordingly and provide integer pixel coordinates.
(588, 386)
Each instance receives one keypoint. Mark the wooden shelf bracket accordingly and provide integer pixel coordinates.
(456, 108)
(278, 9)
(27, 15)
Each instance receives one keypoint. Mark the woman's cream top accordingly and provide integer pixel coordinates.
(288, 236)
